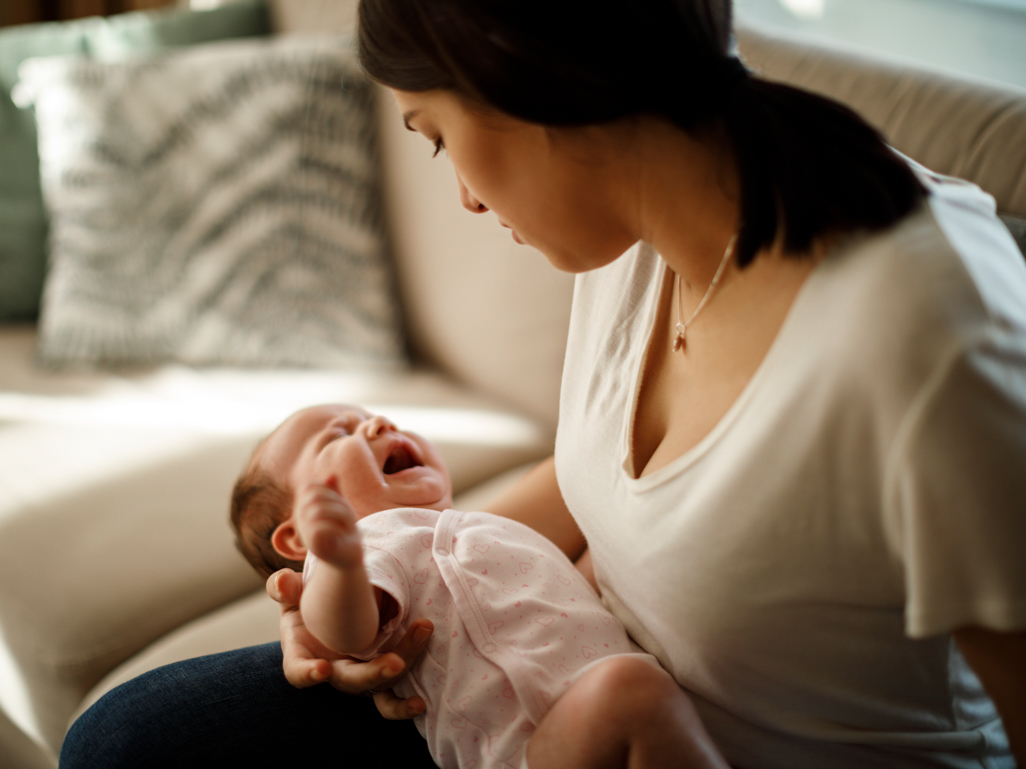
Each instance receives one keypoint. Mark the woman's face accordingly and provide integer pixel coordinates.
(554, 188)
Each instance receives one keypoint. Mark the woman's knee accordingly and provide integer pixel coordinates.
(230, 709)
(155, 718)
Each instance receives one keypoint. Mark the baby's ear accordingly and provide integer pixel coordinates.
(287, 543)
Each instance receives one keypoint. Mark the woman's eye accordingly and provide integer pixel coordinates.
(439, 146)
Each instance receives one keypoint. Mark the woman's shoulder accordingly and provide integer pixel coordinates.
(888, 316)
(947, 274)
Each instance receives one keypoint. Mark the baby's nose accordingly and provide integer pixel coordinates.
(377, 425)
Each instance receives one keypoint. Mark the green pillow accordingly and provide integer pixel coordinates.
(23, 221)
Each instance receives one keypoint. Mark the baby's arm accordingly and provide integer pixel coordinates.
(339, 605)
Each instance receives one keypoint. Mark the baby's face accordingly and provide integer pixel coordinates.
(378, 466)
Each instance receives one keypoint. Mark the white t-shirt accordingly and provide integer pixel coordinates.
(799, 570)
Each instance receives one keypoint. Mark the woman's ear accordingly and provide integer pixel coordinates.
(286, 541)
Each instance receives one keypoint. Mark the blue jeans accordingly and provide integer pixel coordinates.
(236, 709)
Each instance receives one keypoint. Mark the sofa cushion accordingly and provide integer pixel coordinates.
(23, 220)
(114, 495)
(218, 205)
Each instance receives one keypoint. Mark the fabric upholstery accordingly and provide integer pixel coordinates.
(217, 205)
(975, 130)
(312, 17)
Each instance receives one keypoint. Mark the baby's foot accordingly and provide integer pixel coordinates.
(327, 526)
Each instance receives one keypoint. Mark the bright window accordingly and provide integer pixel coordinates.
(982, 38)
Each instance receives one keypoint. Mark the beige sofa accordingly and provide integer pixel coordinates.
(115, 555)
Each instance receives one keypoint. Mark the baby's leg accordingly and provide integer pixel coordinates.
(623, 713)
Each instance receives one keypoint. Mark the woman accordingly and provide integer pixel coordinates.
(793, 417)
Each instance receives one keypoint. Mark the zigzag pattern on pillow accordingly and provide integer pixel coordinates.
(219, 205)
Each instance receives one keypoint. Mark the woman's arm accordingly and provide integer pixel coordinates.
(999, 660)
(537, 502)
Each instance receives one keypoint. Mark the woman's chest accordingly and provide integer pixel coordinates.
(753, 555)
(684, 390)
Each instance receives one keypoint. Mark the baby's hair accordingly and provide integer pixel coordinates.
(259, 505)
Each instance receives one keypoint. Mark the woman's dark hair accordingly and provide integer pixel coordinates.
(803, 159)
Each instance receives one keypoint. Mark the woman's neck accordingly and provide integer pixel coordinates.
(687, 199)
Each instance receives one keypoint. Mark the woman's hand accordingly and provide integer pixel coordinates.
(307, 662)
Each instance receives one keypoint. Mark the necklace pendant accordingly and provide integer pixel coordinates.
(681, 338)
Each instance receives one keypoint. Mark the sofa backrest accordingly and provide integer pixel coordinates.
(951, 124)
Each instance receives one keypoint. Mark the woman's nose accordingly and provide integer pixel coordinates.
(469, 202)
(377, 425)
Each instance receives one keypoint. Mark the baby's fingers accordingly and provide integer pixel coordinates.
(397, 709)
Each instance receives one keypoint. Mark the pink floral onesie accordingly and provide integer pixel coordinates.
(515, 625)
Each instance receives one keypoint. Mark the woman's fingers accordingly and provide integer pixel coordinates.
(395, 709)
(414, 642)
(307, 662)
(382, 673)
(356, 677)
(302, 673)
(285, 587)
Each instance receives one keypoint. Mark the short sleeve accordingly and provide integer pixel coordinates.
(959, 493)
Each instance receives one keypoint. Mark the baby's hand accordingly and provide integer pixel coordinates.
(327, 525)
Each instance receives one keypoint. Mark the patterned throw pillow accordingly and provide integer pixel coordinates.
(219, 205)
(23, 222)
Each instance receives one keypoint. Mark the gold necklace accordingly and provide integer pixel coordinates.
(680, 340)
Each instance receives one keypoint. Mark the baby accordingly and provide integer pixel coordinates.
(364, 509)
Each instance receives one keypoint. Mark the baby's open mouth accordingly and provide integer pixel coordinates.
(400, 458)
